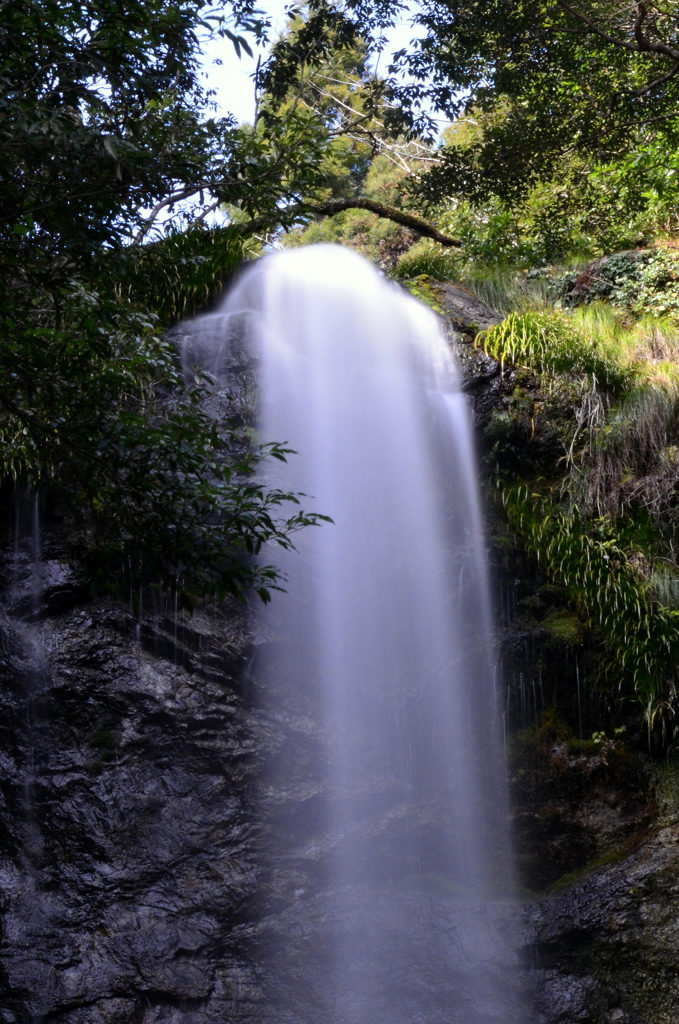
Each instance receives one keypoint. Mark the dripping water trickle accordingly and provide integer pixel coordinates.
(26, 592)
(577, 682)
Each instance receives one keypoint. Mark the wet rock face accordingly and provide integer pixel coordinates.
(129, 881)
(126, 856)
(607, 949)
(134, 824)
(575, 803)
(466, 312)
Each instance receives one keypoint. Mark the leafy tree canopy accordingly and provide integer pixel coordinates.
(108, 134)
(546, 78)
(104, 125)
(566, 111)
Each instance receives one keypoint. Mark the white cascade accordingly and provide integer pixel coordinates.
(387, 875)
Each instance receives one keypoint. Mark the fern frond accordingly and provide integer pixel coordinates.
(642, 636)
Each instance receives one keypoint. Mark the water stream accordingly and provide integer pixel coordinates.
(386, 882)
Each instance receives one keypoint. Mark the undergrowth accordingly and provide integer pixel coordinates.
(507, 290)
(633, 460)
(640, 633)
(502, 288)
(435, 262)
(643, 282)
(551, 341)
(602, 340)
(621, 469)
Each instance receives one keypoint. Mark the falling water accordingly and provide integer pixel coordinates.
(385, 880)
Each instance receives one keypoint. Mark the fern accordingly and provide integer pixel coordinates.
(641, 635)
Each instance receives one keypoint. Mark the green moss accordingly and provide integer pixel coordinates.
(577, 746)
(612, 857)
(564, 882)
(507, 543)
(104, 743)
(571, 877)
(565, 626)
(424, 289)
(102, 739)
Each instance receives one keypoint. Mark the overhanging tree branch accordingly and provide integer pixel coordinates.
(406, 220)
(658, 81)
(294, 214)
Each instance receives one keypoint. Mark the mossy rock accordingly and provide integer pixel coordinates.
(565, 626)
(641, 281)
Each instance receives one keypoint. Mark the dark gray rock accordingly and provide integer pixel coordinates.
(129, 879)
(607, 948)
(126, 856)
(133, 821)
(466, 312)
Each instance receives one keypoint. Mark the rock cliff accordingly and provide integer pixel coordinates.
(133, 818)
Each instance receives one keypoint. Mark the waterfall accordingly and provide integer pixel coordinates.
(385, 868)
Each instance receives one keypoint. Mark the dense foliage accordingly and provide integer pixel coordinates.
(546, 78)
(641, 634)
(561, 154)
(551, 342)
(601, 517)
(105, 125)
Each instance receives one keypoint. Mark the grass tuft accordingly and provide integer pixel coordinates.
(635, 460)
(506, 290)
(435, 262)
(550, 341)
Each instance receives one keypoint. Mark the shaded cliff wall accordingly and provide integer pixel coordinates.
(132, 818)
(125, 773)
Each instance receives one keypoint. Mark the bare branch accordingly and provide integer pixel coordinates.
(176, 197)
(208, 210)
(641, 121)
(639, 26)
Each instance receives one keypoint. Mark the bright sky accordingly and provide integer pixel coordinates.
(232, 79)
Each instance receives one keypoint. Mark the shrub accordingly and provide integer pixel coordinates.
(643, 282)
(434, 261)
